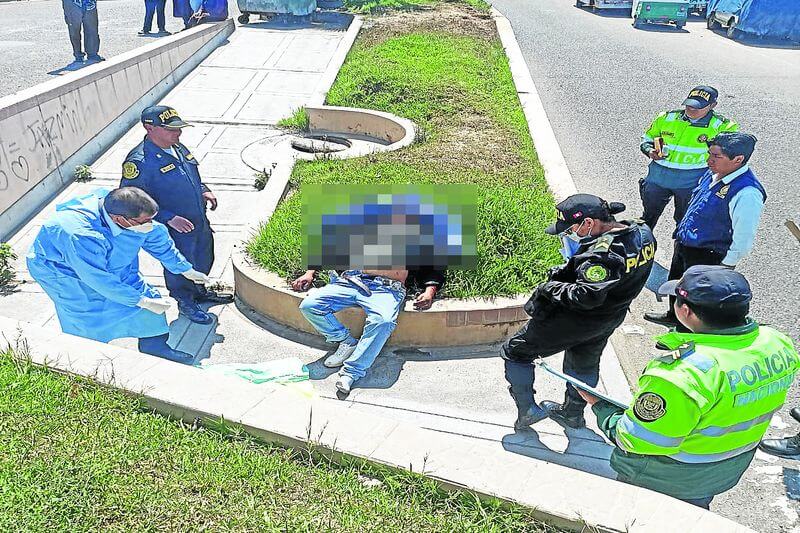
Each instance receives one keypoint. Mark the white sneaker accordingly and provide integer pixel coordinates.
(344, 384)
(342, 354)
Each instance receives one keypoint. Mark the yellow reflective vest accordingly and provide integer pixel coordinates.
(710, 399)
(685, 141)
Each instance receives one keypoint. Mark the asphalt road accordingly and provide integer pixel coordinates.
(34, 39)
(601, 83)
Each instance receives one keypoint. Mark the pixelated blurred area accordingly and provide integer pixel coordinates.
(389, 226)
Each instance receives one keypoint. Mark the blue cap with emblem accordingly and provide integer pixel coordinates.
(163, 116)
(710, 286)
(701, 96)
(578, 207)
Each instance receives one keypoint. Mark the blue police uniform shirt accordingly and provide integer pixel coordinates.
(712, 215)
(173, 182)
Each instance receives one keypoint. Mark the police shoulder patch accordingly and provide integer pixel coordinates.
(649, 406)
(595, 273)
(130, 170)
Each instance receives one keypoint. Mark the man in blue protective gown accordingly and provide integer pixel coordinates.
(86, 259)
(166, 170)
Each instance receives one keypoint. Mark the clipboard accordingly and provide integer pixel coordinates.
(581, 385)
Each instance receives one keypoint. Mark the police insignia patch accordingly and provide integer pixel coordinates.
(596, 273)
(649, 406)
(723, 191)
(129, 170)
(702, 138)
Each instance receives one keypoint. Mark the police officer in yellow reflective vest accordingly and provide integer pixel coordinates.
(702, 408)
(675, 170)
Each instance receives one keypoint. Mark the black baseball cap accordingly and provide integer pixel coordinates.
(578, 208)
(710, 286)
(701, 96)
(164, 116)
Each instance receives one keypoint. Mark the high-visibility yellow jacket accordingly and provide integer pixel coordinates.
(685, 141)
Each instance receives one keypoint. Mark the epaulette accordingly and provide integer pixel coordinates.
(682, 351)
(602, 244)
(137, 154)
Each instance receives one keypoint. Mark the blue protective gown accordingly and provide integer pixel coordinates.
(89, 266)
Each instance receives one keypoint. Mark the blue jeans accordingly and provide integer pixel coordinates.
(382, 308)
(154, 7)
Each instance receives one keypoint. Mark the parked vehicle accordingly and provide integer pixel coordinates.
(604, 4)
(660, 12)
(769, 19)
(698, 6)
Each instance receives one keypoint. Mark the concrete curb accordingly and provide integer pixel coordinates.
(556, 172)
(276, 414)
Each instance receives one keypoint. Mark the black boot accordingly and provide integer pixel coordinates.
(788, 447)
(564, 414)
(528, 413)
(795, 412)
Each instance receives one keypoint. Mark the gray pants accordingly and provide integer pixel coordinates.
(76, 18)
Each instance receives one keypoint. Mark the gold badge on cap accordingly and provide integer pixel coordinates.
(129, 170)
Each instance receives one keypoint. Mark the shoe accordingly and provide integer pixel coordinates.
(193, 312)
(214, 297)
(557, 412)
(786, 447)
(342, 354)
(662, 319)
(143, 33)
(163, 33)
(95, 59)
(177, 356)
(530, 417)
(344, 384)
(795, 412)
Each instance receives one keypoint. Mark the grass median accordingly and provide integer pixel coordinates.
(78, 457)
(442, 66)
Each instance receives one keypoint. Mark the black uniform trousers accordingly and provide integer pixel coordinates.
(198, 248)
(581, 338)
(684, 257)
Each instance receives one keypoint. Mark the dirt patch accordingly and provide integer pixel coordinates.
(447, 17)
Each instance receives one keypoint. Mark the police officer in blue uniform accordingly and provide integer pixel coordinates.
(719, 226)
(165, 169)
(580, 305)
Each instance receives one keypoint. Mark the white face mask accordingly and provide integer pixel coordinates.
(147, 227)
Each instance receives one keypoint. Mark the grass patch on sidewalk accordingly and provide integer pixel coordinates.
(78, 457)
(444, 68)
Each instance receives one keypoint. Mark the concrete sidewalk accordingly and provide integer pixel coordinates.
(234, 98)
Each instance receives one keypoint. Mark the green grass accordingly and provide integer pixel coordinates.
(78, 457)
(379, 6)
(298, 120)
(459, 91)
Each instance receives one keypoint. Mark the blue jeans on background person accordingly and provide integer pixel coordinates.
(381, 307)
(151, 8)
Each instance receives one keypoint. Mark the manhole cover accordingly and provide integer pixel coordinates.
(320, 144)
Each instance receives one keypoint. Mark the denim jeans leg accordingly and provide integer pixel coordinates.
(321, 304)
(149, 12)
(382, 308)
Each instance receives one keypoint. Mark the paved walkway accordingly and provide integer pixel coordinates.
(235, 97)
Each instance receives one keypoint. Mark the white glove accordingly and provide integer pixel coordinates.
(197, 277)
(156, 305)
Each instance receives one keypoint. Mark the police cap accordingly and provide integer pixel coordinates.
(710, 286)
(701, 96)
(578, 207)
(163, 116)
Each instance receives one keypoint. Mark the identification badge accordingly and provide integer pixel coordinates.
(167, 168)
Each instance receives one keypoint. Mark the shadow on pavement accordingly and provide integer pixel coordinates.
(586, 450)
(759, 42)
(610, 13)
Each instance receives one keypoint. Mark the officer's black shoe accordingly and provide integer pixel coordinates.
(788, 447)
(529, 417)
(795, 412)
(193, 312)
(557, 412)
(214, 297)
(662, 319)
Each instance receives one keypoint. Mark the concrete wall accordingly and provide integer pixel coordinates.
(47, 130)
